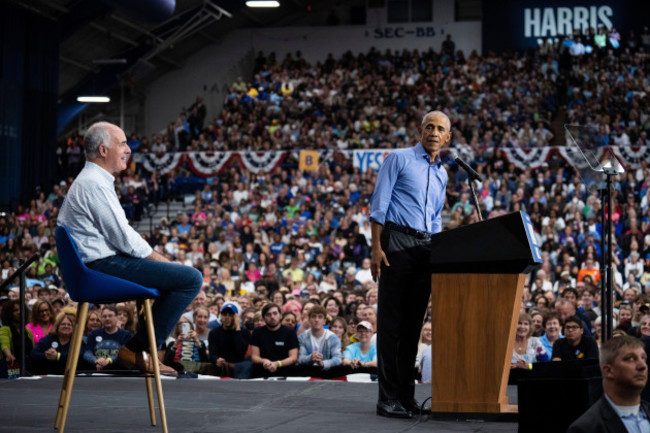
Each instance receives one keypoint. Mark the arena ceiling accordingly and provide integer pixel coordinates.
(104, 43)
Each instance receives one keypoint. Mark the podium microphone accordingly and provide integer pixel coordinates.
(470, 171)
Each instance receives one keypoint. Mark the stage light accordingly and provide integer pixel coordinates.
(98, 99)
(262, 3)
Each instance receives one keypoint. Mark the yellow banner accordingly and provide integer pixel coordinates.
(308, 160)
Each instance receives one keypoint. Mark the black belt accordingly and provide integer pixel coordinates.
(407, 230)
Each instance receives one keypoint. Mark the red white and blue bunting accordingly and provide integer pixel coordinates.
(162, 163)
(211, 163)
(208, 163)
(261, 162)
(527, 158)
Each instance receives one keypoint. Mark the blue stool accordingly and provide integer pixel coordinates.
(85, 286)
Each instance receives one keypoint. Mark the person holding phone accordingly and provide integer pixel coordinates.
(187, 352)
(229, 345)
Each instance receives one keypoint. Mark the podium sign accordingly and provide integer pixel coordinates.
(476, 291)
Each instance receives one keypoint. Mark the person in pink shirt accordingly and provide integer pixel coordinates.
(42, 319)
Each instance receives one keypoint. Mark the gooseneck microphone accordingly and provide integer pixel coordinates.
(470, 171)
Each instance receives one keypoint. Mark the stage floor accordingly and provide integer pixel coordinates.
(118, 404)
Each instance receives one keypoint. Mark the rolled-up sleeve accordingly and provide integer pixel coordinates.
(386, 179)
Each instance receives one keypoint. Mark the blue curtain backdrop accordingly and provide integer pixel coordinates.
(29, 79)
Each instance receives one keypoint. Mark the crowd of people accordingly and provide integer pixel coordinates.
(285, 255)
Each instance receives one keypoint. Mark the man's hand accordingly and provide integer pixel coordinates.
(377, 255)
(317, 357)
(221, 362)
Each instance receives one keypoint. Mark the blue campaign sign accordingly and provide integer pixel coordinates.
(532, 239)
(509, 25)
(369, 159)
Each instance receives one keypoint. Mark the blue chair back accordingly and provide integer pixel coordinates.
(87, 285)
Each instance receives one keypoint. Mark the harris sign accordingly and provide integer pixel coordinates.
(509, 25)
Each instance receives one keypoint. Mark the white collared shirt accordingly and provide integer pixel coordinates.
(95, 219)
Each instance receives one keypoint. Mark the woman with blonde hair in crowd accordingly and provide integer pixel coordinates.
(50, 355)
(528, 349)
(42, 319)
(201, 317)
(425, 341)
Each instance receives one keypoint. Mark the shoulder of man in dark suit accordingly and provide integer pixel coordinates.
(600, 418)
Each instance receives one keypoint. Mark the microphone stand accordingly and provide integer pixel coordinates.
(470, 180)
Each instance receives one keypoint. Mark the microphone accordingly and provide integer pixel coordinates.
(470, 171)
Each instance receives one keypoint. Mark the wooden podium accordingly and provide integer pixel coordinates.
(476, 290)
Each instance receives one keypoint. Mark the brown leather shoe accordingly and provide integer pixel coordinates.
(141, 361)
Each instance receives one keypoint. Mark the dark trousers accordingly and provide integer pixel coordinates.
(404, 290)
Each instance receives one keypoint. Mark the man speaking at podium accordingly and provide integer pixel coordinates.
(405, 212)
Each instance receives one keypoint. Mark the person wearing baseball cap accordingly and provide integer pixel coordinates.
(229, 343)
(364, 353)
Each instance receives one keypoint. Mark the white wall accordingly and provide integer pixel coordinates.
(207, 73)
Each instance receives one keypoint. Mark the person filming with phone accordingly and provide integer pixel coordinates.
(187, 352)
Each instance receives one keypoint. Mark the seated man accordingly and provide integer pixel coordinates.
(274, 346)
(575, 345)
(319, 347)
(625, 373)
(103, 344)
(228, 345)
(107, 243)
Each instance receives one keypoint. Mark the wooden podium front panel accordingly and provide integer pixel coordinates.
(474, 318)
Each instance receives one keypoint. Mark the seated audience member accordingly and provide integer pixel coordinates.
(575, 345)
(274, 347)
(50, 354)
(289, 320)
(364, 353)
(94, 321)
(229, 345)
(425, 341)
(425, 364)
(340, 328)
(126, 318)
(528, 349)
(103, 344)
(625, 372)
(552, 330)
(10, 338)
(201, 318)
(319, 347)
(187, 352)
(42, 319)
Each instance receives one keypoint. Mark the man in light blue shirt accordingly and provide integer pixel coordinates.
(405, 212)
(623, 362)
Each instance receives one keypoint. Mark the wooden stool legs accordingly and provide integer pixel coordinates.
(71, 367)
(73, 358)
(154, 357)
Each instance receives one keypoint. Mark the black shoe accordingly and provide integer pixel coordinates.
(392, 409)
(413, 406)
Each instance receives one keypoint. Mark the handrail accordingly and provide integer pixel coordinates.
(19, 271)
(23, 332)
